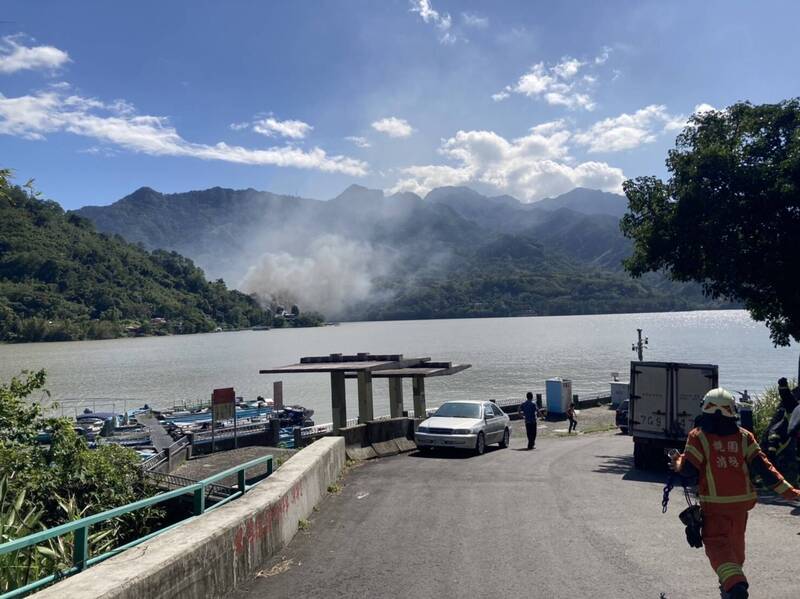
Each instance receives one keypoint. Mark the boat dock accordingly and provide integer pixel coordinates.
(158, 435)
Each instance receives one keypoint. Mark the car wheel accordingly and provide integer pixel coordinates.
(480, 444)
(506, 438)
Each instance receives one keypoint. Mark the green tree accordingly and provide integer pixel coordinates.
(61, 280)
(728, 217)
(66, 470)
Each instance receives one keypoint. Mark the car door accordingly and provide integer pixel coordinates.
(502, 421)
(494, 424)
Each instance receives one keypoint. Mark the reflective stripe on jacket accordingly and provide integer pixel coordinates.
(722, 461)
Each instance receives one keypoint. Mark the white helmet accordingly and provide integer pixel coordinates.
(719, 400)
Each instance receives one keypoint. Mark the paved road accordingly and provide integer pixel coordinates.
(568, 520)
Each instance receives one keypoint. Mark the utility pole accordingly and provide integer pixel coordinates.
(640, 345)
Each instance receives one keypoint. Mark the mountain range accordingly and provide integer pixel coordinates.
(365, 254)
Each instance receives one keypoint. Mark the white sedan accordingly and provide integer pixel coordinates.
(466, 424)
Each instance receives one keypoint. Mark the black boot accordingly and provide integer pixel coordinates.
(739, 591)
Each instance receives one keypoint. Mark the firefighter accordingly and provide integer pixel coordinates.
(723, 456)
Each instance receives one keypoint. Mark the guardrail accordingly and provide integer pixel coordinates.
(323, 429)
(156, 460)
(80, 528)
(229, 433)
(174, 481)
(153, 462)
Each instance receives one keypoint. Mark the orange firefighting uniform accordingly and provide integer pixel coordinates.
(723, 464)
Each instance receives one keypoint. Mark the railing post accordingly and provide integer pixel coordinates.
(269, 466)
(199, 500)
(242, 482)
(298, 437)
(80, 550)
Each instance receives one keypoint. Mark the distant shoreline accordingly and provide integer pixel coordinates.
(339, 322)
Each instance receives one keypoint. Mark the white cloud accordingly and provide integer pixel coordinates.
(531, 167)
(568, 68)
(393, 127)
(704, 107)
(556, 84)
(361, 142)
(421, 179)
(34, 116)
(239, 126)
(628, 131)
(500, 96)
(291, 128)
(16, 57)
(603, 56)
(442, 21)
(474, 20)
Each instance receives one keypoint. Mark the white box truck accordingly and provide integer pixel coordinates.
(665, 399)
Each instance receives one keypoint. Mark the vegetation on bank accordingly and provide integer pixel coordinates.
(729, 215)
(516, 276)
(42, 486)
(60, 280)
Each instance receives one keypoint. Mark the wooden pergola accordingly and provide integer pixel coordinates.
(364, 367)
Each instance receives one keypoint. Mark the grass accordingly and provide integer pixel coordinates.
(303, 524)
(334, 488)
(764, 408)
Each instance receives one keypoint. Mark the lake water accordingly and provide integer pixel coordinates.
(508, 355)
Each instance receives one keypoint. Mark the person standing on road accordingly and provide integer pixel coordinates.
(722, 455)
(530, 411)
(573, 422)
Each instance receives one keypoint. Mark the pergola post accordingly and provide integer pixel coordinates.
(418, 383)
(338, 401)
(365, 408)
(396, 397)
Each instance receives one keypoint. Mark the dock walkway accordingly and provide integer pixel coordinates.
(200, 467)
(158, 435)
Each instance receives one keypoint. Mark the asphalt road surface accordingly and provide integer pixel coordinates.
(571, 519)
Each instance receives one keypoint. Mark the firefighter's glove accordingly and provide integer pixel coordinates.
(692, 518)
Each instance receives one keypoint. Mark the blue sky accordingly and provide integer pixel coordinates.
(527, 98)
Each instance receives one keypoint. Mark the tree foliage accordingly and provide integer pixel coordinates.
(42, 486)
(61, 280)
(729, 214)
(66, 469)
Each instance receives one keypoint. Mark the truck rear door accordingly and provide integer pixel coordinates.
(692, 382)
(649, 396)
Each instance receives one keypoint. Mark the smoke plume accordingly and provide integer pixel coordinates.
(335, 274)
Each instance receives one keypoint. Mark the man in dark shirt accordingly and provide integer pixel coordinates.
(530, 411)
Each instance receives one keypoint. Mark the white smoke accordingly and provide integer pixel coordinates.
(335, 274)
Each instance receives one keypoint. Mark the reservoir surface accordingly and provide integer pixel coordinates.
(509, 356)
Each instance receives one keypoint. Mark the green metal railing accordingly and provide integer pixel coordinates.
(80, 528)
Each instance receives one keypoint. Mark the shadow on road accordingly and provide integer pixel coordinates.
(623, 466)
(769, 498)
(450, 453)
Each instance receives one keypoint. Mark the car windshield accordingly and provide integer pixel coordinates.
(459, 410)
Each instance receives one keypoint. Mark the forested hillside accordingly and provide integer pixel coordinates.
(62, 280)
(366, 255)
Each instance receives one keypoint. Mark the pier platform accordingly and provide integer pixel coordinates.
(158, 435)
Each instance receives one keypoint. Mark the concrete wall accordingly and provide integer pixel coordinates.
(379, 438)
(210, 555)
